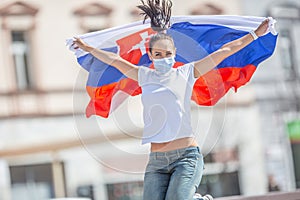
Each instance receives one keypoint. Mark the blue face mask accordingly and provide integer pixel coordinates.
(164, 65)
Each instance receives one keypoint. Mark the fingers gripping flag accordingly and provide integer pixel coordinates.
(195, 37)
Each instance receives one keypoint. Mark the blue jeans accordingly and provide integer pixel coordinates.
(173, 175)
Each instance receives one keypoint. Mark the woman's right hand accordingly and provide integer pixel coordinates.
(79, 43)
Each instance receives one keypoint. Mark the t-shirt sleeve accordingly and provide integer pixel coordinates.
(188, 71)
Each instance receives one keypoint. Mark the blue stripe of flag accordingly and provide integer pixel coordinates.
(194, 42)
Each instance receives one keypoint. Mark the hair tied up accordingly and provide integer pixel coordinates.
(159, 13)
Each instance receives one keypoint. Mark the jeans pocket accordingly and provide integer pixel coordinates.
(156, 164)
(192, 158)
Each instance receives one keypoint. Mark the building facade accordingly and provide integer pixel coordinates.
(277, 93)
(48, 149)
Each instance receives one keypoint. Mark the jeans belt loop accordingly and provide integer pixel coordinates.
(198, 148)
(177, 152)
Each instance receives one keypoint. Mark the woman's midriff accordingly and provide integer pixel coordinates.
(173, 145)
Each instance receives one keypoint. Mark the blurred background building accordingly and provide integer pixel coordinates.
(48, 149)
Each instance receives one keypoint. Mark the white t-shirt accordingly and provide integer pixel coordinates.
(167, 103)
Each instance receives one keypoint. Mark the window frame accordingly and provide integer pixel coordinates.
(23, 81)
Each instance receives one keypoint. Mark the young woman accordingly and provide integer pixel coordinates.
(176, 164)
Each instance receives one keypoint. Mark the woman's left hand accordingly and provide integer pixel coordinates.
(262, 28)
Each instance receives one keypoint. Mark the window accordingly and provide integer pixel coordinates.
(206, 9)
(296, 159)
(20, 52)
(17, 22)
(286, 52)
(293, 128)
(86, 191)
(220, 185)
(128, 191)
(288, 17)
(32, 182)
(94, 16)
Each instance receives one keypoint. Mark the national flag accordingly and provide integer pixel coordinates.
(195, 37)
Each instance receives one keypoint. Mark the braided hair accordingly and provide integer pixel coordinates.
(159, 12)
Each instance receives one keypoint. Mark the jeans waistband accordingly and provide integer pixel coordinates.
(177, 152)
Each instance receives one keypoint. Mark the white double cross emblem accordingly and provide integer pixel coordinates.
(142, 45)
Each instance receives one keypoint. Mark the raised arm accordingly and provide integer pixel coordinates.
(128, 69)
(212, 60)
